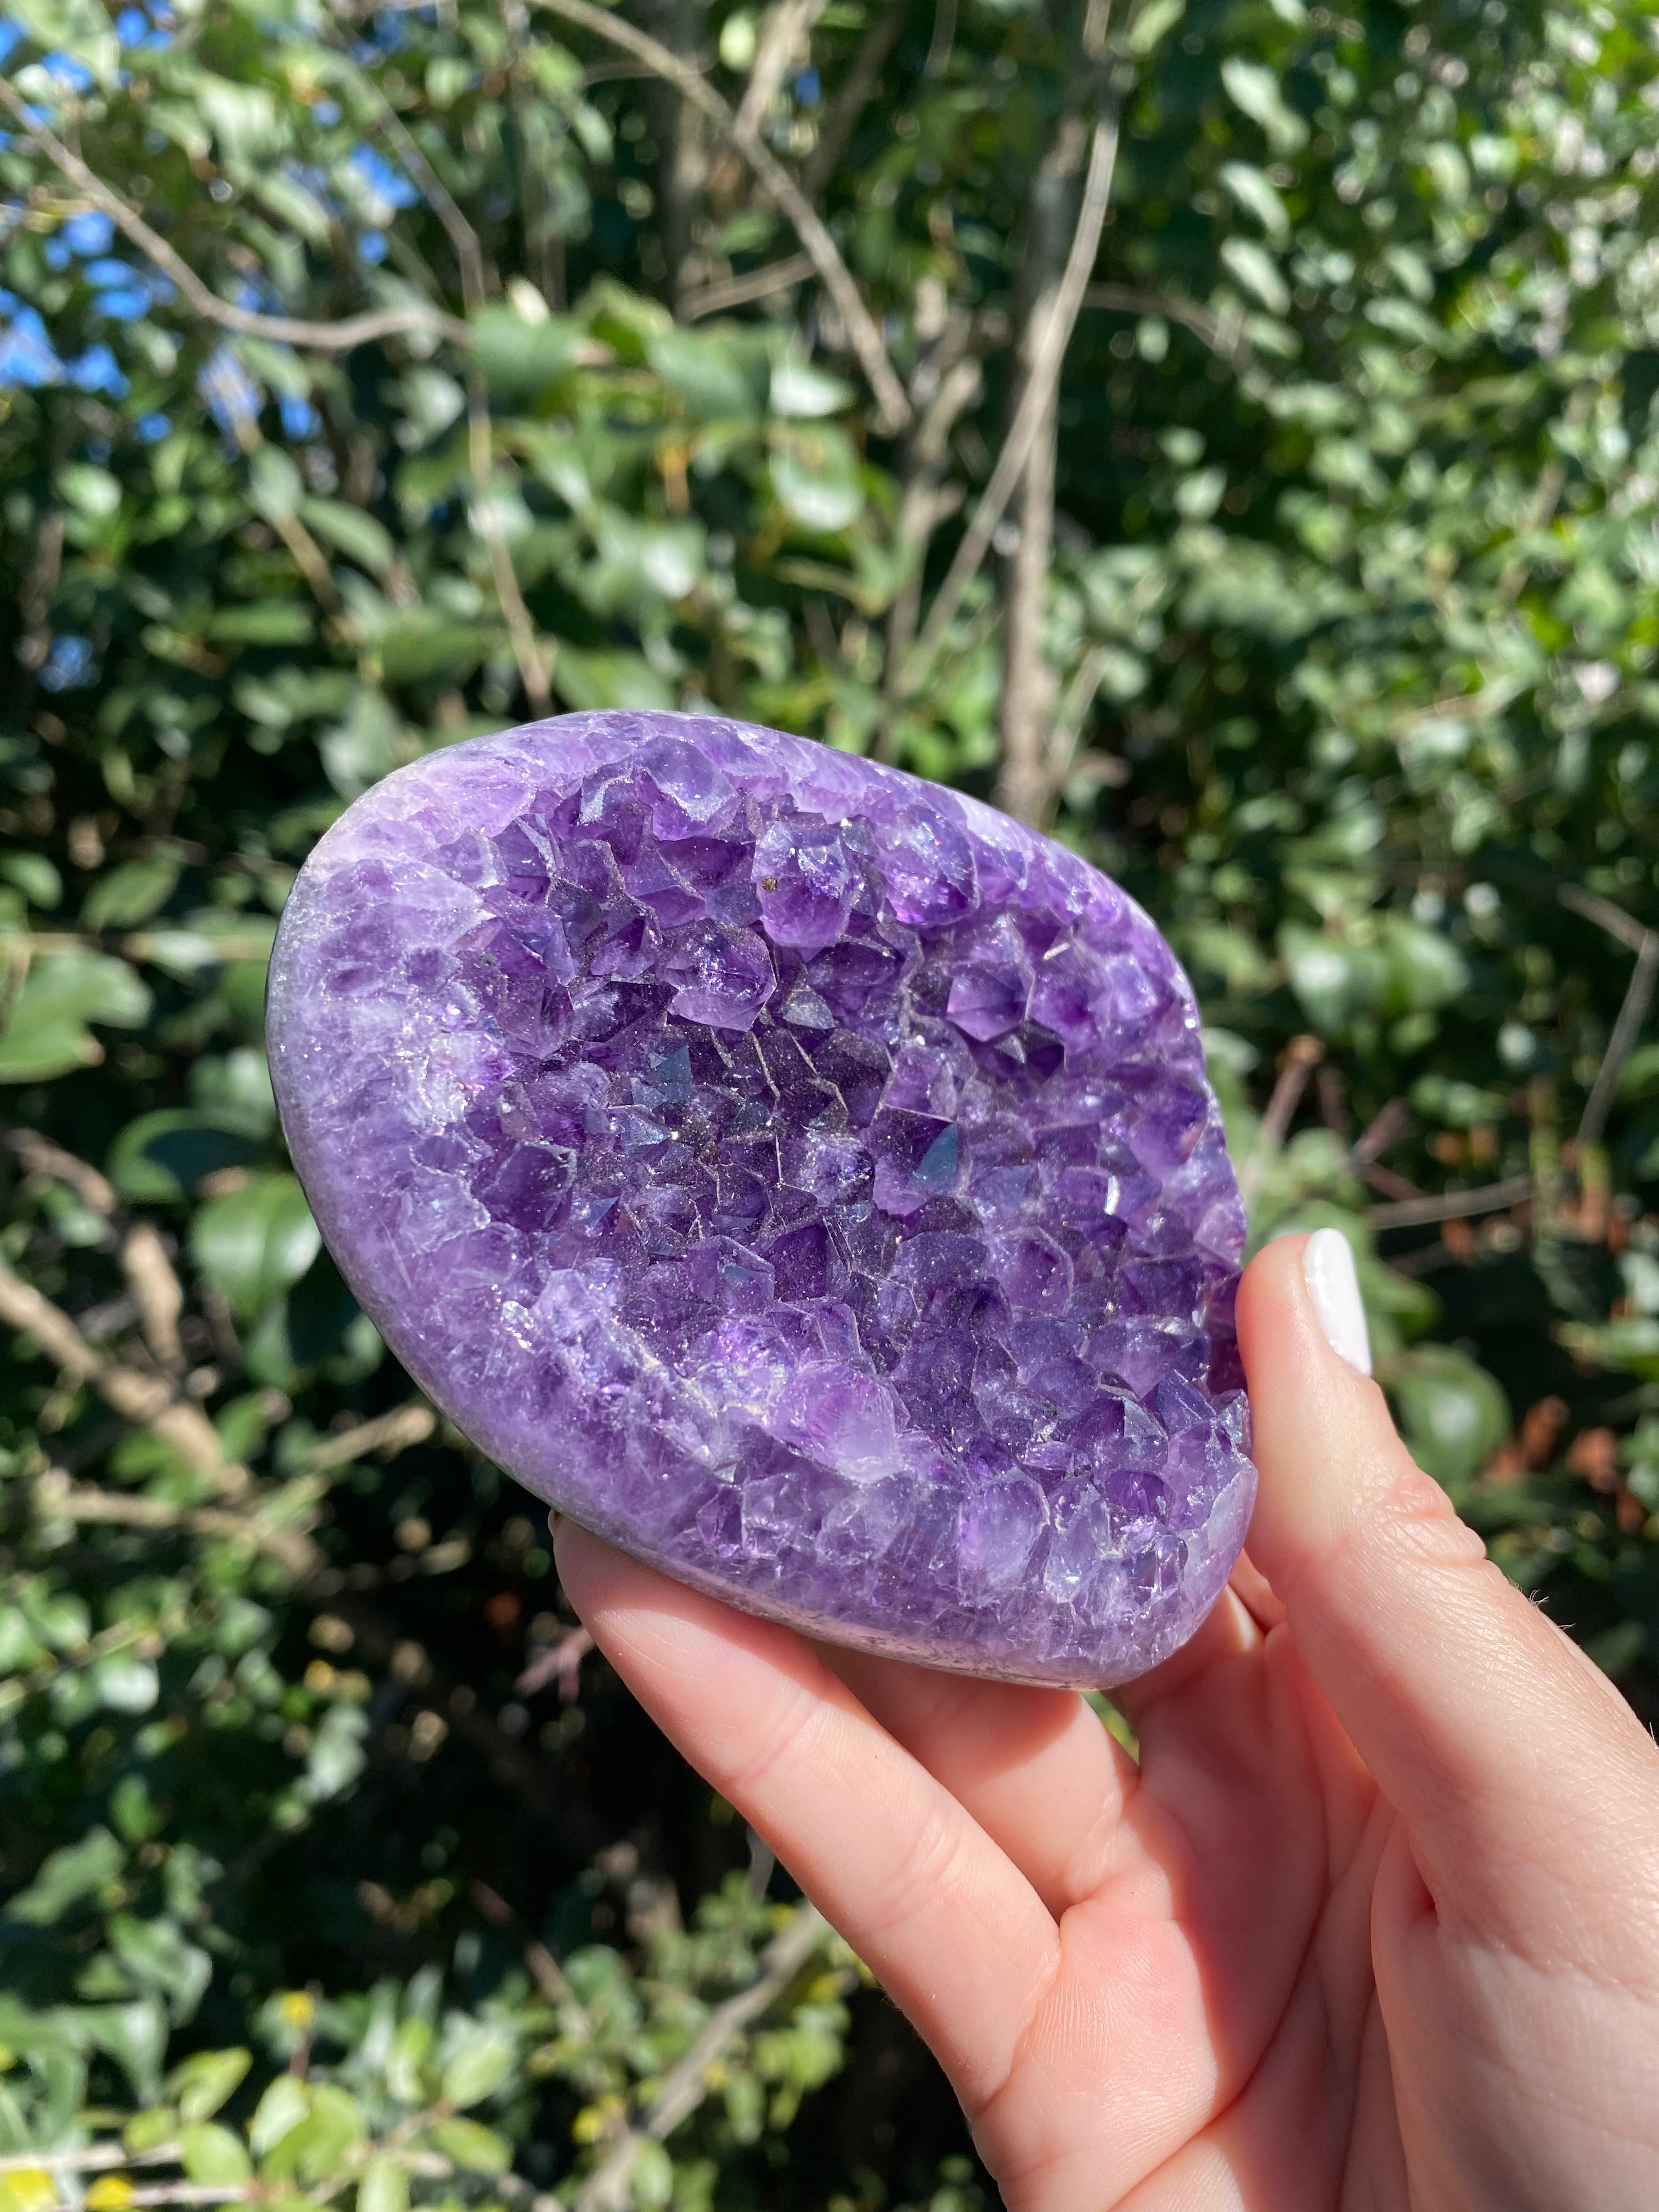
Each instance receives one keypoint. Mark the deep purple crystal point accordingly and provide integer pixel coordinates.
(804, 1176)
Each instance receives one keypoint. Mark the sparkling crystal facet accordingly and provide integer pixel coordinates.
(803, 1176)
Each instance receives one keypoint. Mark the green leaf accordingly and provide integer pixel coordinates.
(212, 2155)
(158, 1957)
(475, 2149)
(1258, 273)
(48, 1034)
(164, 1156)
(1453, 1414)
(1152, 20)
(384, 2186)
(257, 1242)
(478, 2070)
(523, 361)
(130, 894)
(815, 475)
(283, 2106)
(706, 373)
(350, 532)
(587, 681)
(317, 2150)
(1255, 89)
(205, 2080)
(1258, 197)
(76, 1871)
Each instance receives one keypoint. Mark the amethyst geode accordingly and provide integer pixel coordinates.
(802, 1176)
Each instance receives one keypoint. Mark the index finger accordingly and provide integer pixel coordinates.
(956, 1934)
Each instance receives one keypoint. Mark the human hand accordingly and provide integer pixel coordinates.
(1375, 1922)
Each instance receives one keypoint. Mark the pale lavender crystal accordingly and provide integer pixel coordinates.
(803, 1176)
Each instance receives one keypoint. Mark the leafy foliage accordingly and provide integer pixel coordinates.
(367, 379)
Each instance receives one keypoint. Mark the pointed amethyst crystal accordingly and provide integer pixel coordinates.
(802, 1176)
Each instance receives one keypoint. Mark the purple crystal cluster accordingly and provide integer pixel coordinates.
(804, 1176)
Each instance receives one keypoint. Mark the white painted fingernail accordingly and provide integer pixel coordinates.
(1327, 1267)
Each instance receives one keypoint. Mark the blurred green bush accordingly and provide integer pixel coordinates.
(369, 378)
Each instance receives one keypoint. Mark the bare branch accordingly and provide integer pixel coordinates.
(57, 1499)
(778, 185)
(686, 2082)
(146, 1400)
(1302, 1055)
(1221, 338)
(1452, 1204)
(388, 1433)
(786, 25)
(738, 291)
(1605, 914)
(283, 330)
(559, 1663)
(1036, 401)
(41, 1156)
(1638, 997)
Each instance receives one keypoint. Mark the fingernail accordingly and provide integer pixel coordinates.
(1328, 1270)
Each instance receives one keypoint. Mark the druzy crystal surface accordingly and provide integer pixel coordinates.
(802, 1176)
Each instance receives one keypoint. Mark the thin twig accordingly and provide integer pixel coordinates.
(558, 1663)
(686, 2084)
(1302, 1055)
(283, 330)
(387, 1432)
(149, 1401)
(1035, 401)
(1211, 330)
(1452, 1204)
(1639, 996)
(775, 183)
(754, 284)
(57, 1499)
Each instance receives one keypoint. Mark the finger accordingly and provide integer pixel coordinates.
(957, 1936)
(1037, 1769)
(1480, 1722)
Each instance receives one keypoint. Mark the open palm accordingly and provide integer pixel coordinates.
(1373, 1921)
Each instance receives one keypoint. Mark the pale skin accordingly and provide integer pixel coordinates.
(1374, 1925)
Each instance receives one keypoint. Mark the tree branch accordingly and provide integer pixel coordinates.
(787, 25)
(57, 1499)
(1452, 1204)
(778, 185)
(1638, 997)
(1209, 330)
(738, 291)
(282, 329)
(1302, 1055)
(146, 1400)
(1041, 382)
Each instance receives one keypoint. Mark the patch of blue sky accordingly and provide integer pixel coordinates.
(108, 269)
(11, 35)
(126, 303)
(370, 248)
(98, 370)
(63, 69)
(327, 113)
(386, 182)
(150, 430)
(300, 418)
(69, 666)
(28, 356)
(89, 232)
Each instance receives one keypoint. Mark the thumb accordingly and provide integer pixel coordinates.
(1473, 1713)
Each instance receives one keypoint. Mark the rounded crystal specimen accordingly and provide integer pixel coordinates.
(802, 1176)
